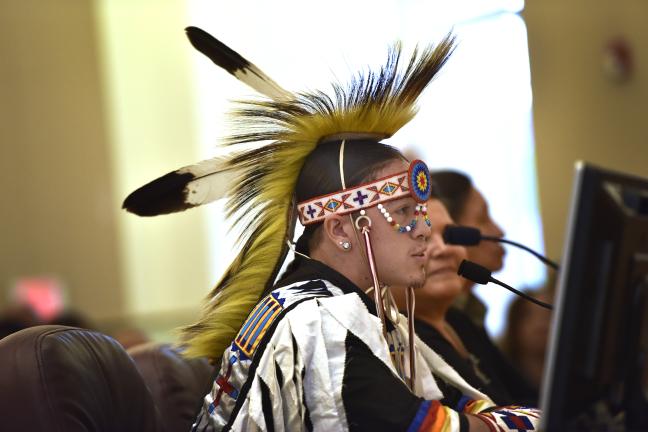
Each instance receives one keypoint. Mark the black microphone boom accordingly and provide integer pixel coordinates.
(481, 275)
(461, 235)
(474, 272)
(469, 236)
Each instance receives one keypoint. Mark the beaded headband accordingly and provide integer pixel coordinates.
(414, 182)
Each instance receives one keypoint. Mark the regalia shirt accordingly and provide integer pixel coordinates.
(312, 356)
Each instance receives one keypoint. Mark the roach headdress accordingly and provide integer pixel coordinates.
(271, 139)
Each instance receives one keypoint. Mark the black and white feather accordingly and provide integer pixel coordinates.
(184, 188)
(235, 64)
(212, 179)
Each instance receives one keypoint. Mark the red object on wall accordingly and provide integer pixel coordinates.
(44, 295)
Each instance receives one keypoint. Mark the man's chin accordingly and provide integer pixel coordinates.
(414, 278)
(418, 281)
(417, 285)
(415, 281)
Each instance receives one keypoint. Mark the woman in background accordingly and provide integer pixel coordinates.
(467, 206)
(449, 332)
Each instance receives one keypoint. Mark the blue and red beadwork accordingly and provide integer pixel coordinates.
(420, 210)
(419, 180)
(415, 183)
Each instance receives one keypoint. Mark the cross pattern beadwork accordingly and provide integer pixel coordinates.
(360, 197)
(224, 387)
(354, 199)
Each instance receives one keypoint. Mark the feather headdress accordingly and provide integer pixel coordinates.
(286, 127)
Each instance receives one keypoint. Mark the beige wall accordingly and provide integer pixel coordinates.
(96, 99)
(57, 202)
(146, 66)
(579, 113)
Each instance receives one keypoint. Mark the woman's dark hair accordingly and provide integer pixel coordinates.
(320, 175)
(453, 189)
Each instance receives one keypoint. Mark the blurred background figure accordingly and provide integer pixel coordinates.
(126, 334)
(450, 332)
(72, 318)
(42, 301)
(468, 207)
(525, 340)
(130, 337)
(17, 317)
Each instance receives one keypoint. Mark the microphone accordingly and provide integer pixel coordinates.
(481, 275)
(461, 235)
(469, 236)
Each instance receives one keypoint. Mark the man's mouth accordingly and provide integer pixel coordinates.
(420, 255)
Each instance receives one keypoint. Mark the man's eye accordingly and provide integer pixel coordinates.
(401, 210)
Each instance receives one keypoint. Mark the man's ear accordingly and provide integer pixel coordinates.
(338, 230)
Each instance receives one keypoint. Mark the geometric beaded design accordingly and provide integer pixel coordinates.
(368, 195)
(256, 325)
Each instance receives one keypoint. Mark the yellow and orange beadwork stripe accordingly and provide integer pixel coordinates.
(258, 322)
(437, 418)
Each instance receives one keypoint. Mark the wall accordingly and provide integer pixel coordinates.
(579, 112)
(96, 100)
(57, 216)
(150, 106)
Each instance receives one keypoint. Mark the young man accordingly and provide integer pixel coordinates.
(313, 351)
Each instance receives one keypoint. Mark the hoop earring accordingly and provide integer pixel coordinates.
(346, 245)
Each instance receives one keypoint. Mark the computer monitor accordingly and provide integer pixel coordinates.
(596, 374)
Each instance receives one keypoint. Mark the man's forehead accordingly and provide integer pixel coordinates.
(393, 167)
(399, 201)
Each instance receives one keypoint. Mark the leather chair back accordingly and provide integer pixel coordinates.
(56, 378)
(177, 384)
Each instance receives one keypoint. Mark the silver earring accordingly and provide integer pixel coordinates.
(346, 245)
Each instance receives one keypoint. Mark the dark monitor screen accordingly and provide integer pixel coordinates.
(595, 377)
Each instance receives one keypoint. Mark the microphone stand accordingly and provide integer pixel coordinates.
(481, 275)
(521, 294)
